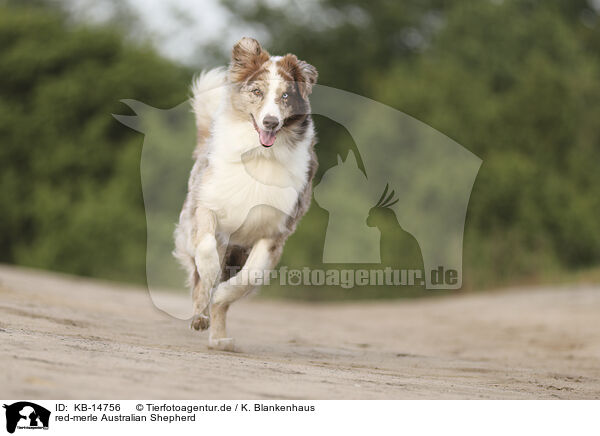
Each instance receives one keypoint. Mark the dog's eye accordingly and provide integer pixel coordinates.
(257, 92)
(284, 95)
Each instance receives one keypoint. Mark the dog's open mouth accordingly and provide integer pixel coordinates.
(266, 137)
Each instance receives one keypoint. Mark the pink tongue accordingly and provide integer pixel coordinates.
(266, 138)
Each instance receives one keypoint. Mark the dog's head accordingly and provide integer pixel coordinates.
(271, 92)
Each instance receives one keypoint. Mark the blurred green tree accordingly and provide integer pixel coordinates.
(71, 198)
(514, 81)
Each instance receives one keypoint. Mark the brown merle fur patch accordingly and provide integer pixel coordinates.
(248, 70)
(304, 74)
(243, 99)
(247, 59)
(300, 77)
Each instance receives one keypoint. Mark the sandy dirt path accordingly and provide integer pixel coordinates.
(64, 337)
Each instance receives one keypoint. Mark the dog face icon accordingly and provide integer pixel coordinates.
(28, 417)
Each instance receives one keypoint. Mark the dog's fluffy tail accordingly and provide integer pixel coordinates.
(207, 92)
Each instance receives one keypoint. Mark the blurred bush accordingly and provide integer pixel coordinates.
(71, 198)
(514, 81)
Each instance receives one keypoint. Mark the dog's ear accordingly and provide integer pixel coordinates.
(303, 73)
(310, 75)
(247, 57)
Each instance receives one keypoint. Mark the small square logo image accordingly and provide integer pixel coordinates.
(24, 415)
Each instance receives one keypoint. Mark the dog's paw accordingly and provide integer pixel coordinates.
(223, 344)
(200, 322)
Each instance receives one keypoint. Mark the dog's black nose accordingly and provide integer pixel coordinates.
(270, 122)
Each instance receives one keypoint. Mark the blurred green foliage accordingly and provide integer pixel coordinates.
(71, 198)
(516, 82)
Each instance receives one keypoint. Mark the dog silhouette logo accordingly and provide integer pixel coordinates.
(26, 415)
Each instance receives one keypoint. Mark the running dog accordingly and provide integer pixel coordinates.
(251, 181)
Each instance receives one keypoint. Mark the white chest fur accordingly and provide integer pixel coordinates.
(253, 196)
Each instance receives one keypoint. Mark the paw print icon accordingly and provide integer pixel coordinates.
(294, 277)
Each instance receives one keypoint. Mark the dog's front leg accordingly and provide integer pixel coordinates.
(208, 265)
(262, 257)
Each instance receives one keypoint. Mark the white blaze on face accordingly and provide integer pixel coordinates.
(271, 109)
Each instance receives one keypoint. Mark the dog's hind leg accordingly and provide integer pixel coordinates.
(217, 336)
(263, 256)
